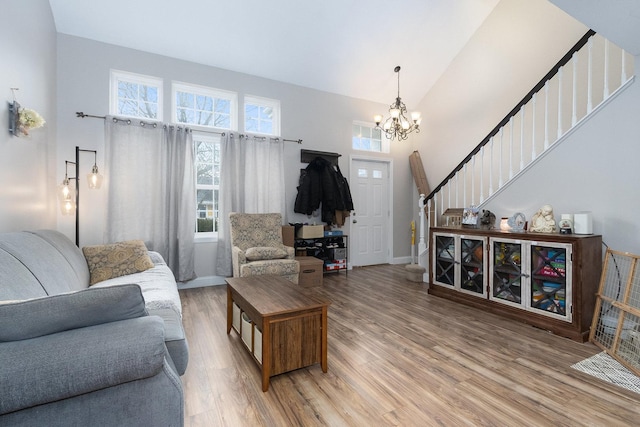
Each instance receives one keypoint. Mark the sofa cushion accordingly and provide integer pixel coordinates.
(174, 338)
(116, 259)
(17, 282)
(43, 260)
(75, 362)
(43, 316)
(158, 287)
(68, 250)
(278, 267)
(265, 252)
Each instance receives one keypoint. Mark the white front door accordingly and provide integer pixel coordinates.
(370, 219)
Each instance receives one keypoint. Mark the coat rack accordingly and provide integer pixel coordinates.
(307, 156)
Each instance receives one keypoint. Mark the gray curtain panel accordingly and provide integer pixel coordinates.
(251, 181)
(151, 189)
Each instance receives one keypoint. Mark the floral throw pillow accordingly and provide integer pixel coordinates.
(116, 259)
(265, 252)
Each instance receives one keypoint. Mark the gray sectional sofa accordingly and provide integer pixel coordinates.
(70, 354)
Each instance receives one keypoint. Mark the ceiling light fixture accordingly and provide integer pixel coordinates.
(398, 125)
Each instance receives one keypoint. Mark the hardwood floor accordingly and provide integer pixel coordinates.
(397, 356)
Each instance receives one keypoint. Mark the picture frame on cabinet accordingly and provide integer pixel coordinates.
(470, 216)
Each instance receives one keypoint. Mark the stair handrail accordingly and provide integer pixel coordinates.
(554, 70)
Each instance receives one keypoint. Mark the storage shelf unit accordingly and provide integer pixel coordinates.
(332, 250)
(543, 279)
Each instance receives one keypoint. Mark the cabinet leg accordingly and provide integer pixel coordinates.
(323, 362)
(266, 354)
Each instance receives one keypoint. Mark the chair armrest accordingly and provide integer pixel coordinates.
(291, 252)
(156, 258)
(32, 318)
(238, 258)
(73, 362)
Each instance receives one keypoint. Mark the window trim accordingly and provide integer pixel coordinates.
(263, 102)
(177, 86)
(118, 75)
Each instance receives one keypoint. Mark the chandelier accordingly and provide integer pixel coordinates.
(398, 125)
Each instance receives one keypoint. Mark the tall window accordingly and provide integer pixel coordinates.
(135, 95)
(262, 115)
(366, 137)
(207, 149)
(204, 106)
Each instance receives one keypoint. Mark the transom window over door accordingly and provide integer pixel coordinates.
(204, 106)
(135, 95)
(366, 137)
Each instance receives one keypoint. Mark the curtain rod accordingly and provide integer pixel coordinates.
(81, 115)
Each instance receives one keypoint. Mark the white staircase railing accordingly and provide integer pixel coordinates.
(591, 73)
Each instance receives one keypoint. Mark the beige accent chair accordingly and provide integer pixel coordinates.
(257, 248)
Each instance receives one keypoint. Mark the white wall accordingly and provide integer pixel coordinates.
(595, 169)
(516, 46)
(27, 168)
(321, 119)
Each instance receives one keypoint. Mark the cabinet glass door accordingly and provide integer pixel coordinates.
(444, 262)
(550, 268)
(472, 265)
(507, 271)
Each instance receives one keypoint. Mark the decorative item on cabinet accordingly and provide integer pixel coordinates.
(518, 222)
(470, 216)
(453, 217)
(543, 221)
(487, 220)
(566, 223)
(582, 223)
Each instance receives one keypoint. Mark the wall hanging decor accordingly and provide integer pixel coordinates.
(22, 120)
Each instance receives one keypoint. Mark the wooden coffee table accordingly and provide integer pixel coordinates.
(288, 328)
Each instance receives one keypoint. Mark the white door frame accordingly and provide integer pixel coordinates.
(353, 177)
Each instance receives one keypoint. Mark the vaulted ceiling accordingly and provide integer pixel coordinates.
(347, 47)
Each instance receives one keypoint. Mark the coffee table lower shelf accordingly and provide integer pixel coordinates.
(282, 328)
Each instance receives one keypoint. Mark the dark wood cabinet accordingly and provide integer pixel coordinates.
(543, 279)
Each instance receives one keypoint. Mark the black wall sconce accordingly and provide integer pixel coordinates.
(14, 118)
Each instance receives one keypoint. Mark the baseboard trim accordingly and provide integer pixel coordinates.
(202, 282)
